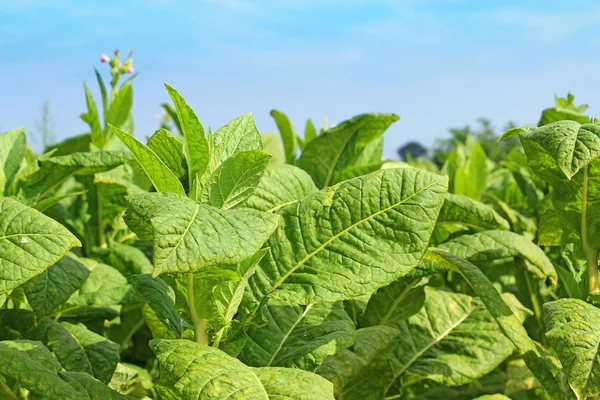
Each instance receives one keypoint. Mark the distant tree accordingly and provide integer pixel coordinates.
(413, 150)
(45, 126)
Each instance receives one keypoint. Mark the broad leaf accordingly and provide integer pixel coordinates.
(298, 336)
(163, 179)
(170, 150)
(573, 331)
(189, 236)
(30, 242)
(93, 388)
(192, 371)
(341, 146)
(55, 285)
(161, 298)
(280, 186)
(120, 106)
(351, 239)
(234, 181)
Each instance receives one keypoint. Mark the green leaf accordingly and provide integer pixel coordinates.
(436, 344)
(189, 236)
(351, 239)
(27, 363)
(30, 242)
(540, 364)
(516, 131)
(280, 186)
(163, 179)
(198, 152)
(298, 336)
(105, 286)
(393, 303)
(271, 142)
(16, 323)
(102, 353)
(310, 132)
(55, 285)
(45, 204)
(63, 344)
(554, 114)
(12, 152)
(192, 371)
(341, 146)
(120, 106)
(128, 260)
(170, 150)
(471, 179)
(567, 280)
(288, 137)
(95, 389)
(234, 181)
(493, 245)
(573, 331)
(160, 297)
(102, 90)
(463, 210)
(549, 228)
(93, 120)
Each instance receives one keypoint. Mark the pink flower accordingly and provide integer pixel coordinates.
(104, 58)
(130, 69)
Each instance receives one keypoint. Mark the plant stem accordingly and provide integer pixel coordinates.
(199, 323)
(218, 337)
(591, 255)
(6, 389)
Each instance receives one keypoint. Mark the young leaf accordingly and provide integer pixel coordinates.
(189, 236)
(170, 150)
(160, 298)
(298, 336)
(163, 179)
(102, 90)
(573, 331)
(119, 108)
(351, 239)
(271, 142)
(93, 120)
(55, 285)
(280, 186)
(310, 132)
(211, 374)
(288, 137)
(30, 242)
(234, 181)
(342, 146)
(197, 146)
(29, 364)
(12, 152)
(102, 353)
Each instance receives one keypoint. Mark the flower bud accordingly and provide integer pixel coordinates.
(104, 58)
(130, 69)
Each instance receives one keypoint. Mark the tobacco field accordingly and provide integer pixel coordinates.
(302, 265)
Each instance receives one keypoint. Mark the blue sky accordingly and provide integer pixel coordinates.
(436, 63)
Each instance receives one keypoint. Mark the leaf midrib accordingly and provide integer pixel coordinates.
(285, 337)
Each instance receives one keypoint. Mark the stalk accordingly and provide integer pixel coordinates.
(199, 323)
(591, 255)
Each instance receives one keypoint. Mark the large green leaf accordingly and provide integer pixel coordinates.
(240, 134)
(12, 152)
(29, 364)
(160, 297)
(288, 137)
(280, 186)
(63, 344)
(462, 210)
(163, 178)
(189, 236)
(30, 242)
(169, 149)
(451, 341)
(234, 181)
(341, 146)
(351, 239)
(196, 144)
(573, 331)
(101, 352)
(55, 285)
(298, 336)
(192, 371)
(93, 388)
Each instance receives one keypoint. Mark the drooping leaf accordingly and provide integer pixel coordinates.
(341, 146)
(189, 236)
(160, 297)
(30, 242)
(288, 137)
(87, 384)
(163, 179)
(55, 285)
(351, 239)
(170, 150)
(460, 209)
(235, 180)
(209, 373)
(101, 352)
(298, 336)
(573, 332)
(280, 186)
